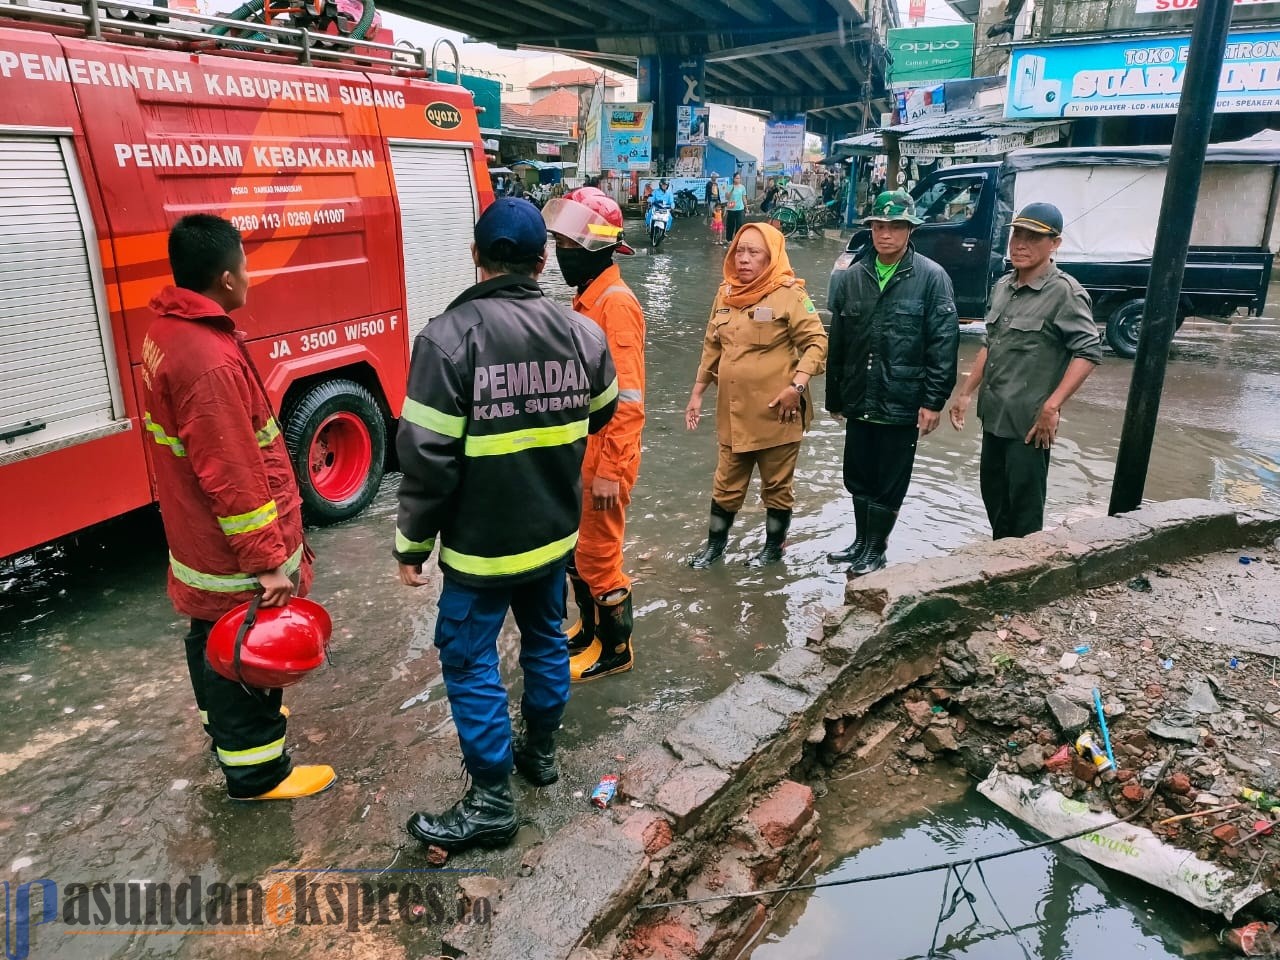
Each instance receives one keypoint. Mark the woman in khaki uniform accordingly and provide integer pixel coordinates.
(764, 342)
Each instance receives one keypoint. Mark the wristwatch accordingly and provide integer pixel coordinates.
(800, 388)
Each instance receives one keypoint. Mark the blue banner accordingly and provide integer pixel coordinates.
(1141, 76)
(626, 137)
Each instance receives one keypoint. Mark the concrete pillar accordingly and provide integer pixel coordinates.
(669, 81)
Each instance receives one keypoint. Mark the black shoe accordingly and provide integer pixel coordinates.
(880, 521)
(485, 817)
(776, 525)
(717, 538)
(534, 751)
(611, 653)
(584, 631)
(854, 551)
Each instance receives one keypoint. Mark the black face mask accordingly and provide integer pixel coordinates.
(581, 266)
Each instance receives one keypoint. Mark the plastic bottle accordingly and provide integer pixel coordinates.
(1086, 748)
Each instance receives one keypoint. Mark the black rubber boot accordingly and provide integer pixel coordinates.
(717, 538)
(880, 521)
(485, 817)
(776, 525)
(611, 653)
(854, 552)
(584, 631)
(534, 751)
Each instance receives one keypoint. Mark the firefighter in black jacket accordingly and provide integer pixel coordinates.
(890, 369)
(504, 387)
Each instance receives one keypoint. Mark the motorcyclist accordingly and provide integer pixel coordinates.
(662, 196)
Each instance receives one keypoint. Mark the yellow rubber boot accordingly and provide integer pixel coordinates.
(611, 651)
(301, 782)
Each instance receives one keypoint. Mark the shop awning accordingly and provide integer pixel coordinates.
(966, 133)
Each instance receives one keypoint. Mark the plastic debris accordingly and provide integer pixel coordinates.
(437, 856)
(1258, 939)
(1060, 762)
(604, 791)
(1140, 585)
(1082, 649)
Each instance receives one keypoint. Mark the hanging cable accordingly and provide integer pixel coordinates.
(929, 868)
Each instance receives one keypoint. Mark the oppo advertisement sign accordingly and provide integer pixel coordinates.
(923, 54)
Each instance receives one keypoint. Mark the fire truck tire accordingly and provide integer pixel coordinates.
(337, 438)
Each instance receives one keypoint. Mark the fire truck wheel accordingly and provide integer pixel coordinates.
(337, 437)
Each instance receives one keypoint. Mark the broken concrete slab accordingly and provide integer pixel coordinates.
(1200, 699)
(1070, 717)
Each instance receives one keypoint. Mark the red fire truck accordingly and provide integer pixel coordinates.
(353, 178)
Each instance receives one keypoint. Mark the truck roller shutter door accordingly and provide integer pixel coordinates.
(57, 373)
(437, 214)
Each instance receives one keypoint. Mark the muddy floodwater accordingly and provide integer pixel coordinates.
(1046, 904)
(104, 772)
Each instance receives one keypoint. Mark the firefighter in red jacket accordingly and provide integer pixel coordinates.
(228, 497)
(587, 225)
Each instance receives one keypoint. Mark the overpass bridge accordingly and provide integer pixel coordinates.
(822, 58)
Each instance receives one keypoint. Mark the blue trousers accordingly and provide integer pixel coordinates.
(467, 628)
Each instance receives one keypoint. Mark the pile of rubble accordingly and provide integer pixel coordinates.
(1176, 697)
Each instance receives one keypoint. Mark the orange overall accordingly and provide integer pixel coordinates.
(614, 452)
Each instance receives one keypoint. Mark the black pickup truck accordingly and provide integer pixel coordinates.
(1110, 199)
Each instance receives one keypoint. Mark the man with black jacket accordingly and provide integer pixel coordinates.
(891, 366)
(504, 387)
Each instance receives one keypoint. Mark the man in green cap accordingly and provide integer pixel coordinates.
(891, 367)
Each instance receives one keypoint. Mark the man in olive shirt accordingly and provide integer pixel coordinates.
(1041, 345)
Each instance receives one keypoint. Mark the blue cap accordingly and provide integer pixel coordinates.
(516, 221)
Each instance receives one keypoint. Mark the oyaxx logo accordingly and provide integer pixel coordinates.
(443, 115)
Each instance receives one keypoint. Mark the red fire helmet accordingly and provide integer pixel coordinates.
(270, 647)
(589, 217)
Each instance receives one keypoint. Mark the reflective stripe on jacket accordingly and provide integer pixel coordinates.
(614, 452)
(227, 493)
(504, 387)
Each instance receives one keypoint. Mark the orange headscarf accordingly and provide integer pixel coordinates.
(770, 279)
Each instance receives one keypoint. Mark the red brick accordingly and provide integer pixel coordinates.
(1083, 769)
(782, 813)
(1124, 776)
(1133, 793)
(749, 931)
(649, 829)
(664, 941)
(1178, 783)
(1227, 833)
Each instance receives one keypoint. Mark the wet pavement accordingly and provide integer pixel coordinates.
(104, 772)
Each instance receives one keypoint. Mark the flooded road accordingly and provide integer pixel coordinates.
(104, 773)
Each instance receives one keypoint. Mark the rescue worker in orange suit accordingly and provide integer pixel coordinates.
(587, 225)
(228, 496)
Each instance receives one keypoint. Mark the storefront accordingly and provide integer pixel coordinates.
(1126, 92)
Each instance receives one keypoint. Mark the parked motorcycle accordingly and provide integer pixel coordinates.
(686, 203)
(659, 225)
